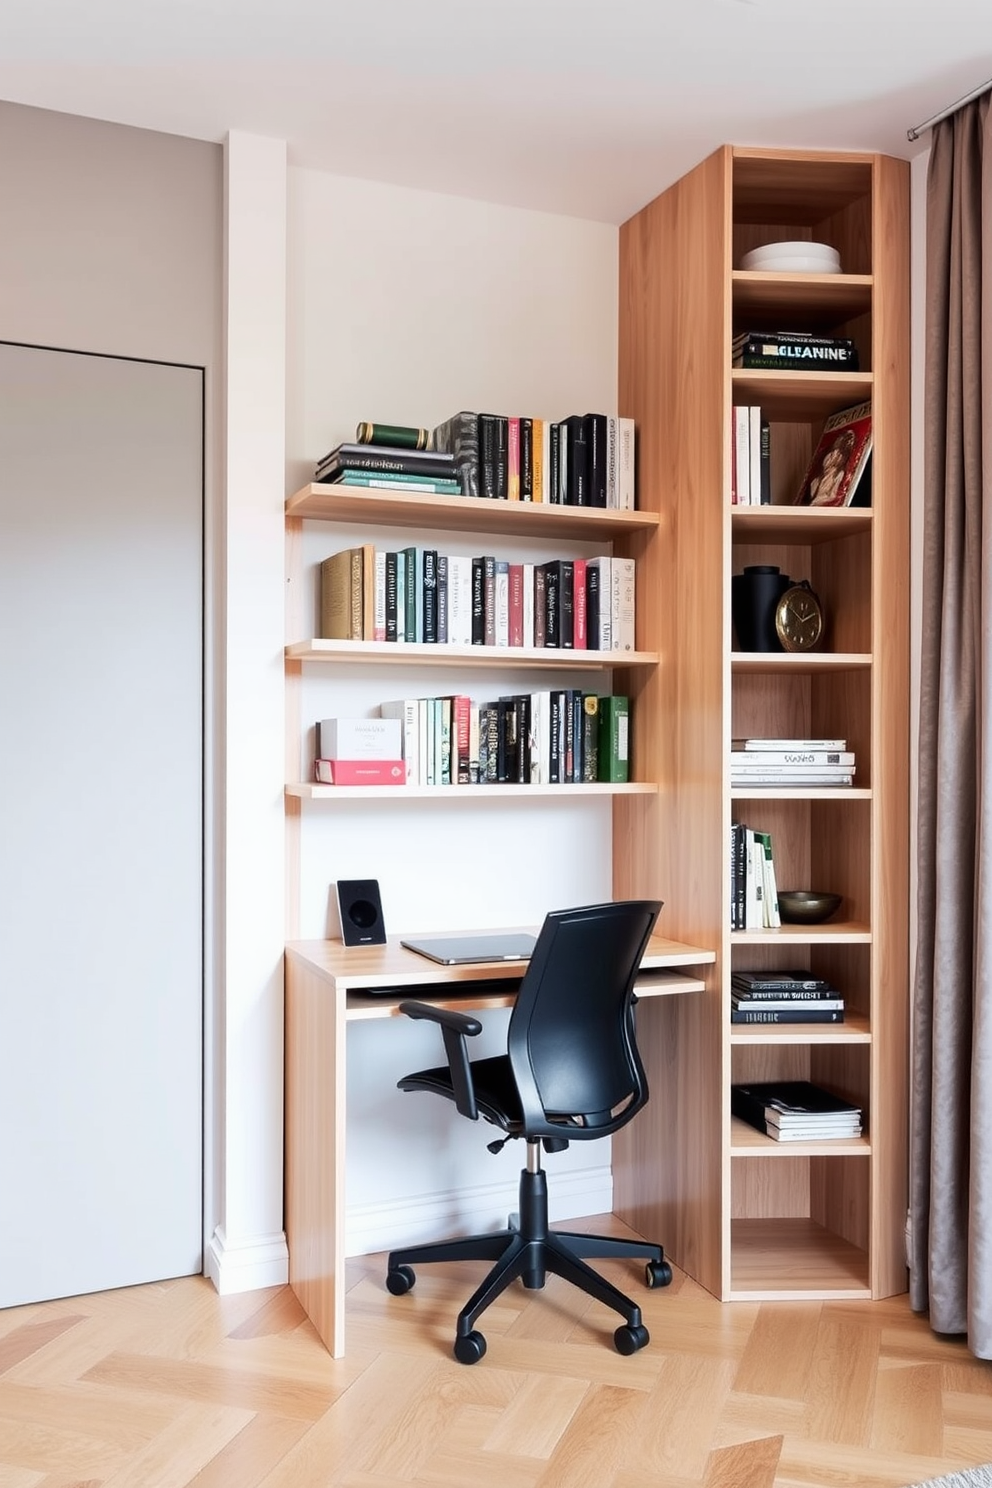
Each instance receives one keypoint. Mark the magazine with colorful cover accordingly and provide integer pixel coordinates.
(839, 459)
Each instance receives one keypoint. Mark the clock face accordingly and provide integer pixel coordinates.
(799, 619)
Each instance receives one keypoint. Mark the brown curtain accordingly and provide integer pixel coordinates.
(951, 1124)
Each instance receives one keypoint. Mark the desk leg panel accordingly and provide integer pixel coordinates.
(315, 1149)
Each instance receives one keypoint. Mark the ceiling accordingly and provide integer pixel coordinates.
(583, 107)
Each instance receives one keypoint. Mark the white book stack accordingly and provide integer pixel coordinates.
(791, 762)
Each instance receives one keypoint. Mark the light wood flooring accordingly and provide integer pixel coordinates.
(168, 1385)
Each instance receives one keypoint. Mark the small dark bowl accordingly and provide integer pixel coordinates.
(806, 906)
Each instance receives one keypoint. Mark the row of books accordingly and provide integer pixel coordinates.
(549, 737)
(422, 596)
(586, 459)
(783, 997)
(791, 762)
(753, 884)
(750, 457)
(795, 1110)
(793, 351)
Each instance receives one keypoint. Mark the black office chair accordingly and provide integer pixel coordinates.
(571, 1073)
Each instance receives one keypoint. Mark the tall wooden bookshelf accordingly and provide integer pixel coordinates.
(746, 1216)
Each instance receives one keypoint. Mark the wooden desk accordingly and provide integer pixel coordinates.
(327, 986)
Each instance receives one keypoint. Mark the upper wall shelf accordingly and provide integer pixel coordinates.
(369, 507)
(800, 395)
(798, 524)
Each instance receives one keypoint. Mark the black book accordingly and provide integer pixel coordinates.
(372, 457)
(392, 606)
(807, 1013)
(776, 982)
(553, 473)
(566, 604)
(568, 753)
(430, 595)
(502, 457)
(442, 599)
(788, 994)
(596, 443)
(478, 602)
(575, 462)
(552, 602)
(526, 459)
(487, 455)
(765, 463)
(787, 1101)
(459, 436)
(492, 743)
(557, 737)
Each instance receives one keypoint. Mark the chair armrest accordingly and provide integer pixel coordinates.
(455, 1028)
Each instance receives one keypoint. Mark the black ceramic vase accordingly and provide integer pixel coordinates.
(754, 596)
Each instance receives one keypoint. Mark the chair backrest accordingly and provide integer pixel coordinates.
(571, 1034)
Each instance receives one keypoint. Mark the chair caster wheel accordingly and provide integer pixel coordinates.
(657, 1274)
(400, 1280)
(629, 1339)
(470, 1348)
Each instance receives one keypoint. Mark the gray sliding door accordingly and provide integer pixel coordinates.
(101, 839)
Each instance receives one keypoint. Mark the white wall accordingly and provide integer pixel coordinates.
(405, 307)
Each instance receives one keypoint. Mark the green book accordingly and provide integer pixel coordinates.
(614, 740)
(410, 594)
(397, 436)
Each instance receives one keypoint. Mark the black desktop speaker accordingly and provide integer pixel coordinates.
(360, 909)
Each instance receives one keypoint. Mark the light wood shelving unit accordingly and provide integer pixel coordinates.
(748, 1217)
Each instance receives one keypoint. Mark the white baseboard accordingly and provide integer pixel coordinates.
(387, 1226)
(246, 1267)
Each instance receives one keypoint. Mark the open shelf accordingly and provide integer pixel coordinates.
(399, 794)
(855, 1029)
(826, 298)
(795, 1260)
(747, 1141)
(368, 507)
(393, 653)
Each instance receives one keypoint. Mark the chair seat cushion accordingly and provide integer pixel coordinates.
(495, 1090)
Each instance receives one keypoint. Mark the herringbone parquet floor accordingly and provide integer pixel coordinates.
(169, 1385)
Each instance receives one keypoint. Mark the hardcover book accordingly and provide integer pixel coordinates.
(614, 739)
(341, 596)
(459, 437)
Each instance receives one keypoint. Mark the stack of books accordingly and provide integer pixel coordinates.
(795, 762)
(795, 1111)
(783, 997)
(795, 351)
(390, 457)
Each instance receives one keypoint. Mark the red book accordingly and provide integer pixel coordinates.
(361, 772)
(580, 628)
(516, 631)
(461, 719)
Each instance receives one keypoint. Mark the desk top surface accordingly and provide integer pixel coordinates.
(351, 968)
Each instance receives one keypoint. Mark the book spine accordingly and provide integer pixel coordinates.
(626, 473)
(459, 436)
(596, 436)
(566, 605)
(540, 606)
(539, 466)
(478, 601)
(502, 602)
(461, 716)
(399, 436)
(554, 464)
(575, 466)
(459, 600)
(410, 594)
(513, 459)
(390, 596)
(614, 739)
(742, 454)
(622, 606)
(552, 602)
(590, 737)
(382, 480)
(378, 460)
(516, 604)
(580, 610)
(487, 456)
(379, 602)
(526, 459)
(502, 457)
(527, 587)
(765, 462)
(442, 599)
(489, 599)
(401, 595)
(787, 1015)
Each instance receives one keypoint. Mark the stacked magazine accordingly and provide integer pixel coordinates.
(795, 1111)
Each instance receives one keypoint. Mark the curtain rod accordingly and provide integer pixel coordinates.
(913, 134)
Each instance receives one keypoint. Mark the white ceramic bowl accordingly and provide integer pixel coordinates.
(801, 257)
